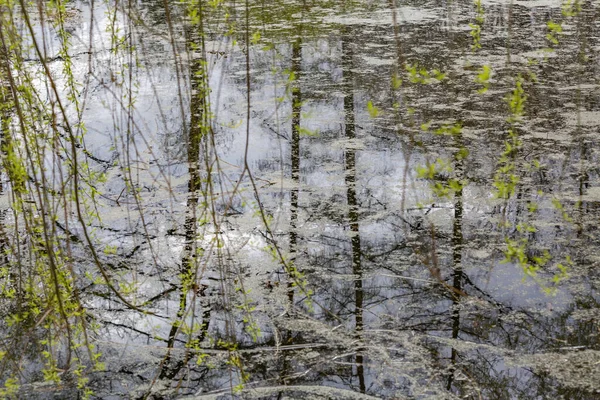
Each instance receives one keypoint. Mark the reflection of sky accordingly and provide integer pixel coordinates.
(507, 283)
(379, 172)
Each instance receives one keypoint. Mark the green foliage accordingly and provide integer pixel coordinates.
(483, 78)
(516, 252)
(476, 27)
(571, 8)
(396, 81)
(554, 32)
(373, 111)
(449, 129)
(235, 361)
(506, 178)
(476, 35)
(308, 132)
(255, 38)
(441, 174)
(516, 101)
(422, 75)
(10, 389)
(532, 265)
(559, 207)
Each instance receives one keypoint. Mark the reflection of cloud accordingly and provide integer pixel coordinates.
(381, 17)
(509, 285)
(585, 118)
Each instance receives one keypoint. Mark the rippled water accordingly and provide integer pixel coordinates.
(322, 259)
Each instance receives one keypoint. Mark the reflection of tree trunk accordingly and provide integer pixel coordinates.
(397, 102)
(399, 57)
(510, 28)
(295, 153)
(5, 98)
(295, 158)
(350, 180)
(582, 22)
(581, 206)
(191, 252)
(457, 246)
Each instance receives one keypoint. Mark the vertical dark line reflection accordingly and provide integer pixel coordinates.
(457, 270)
(350, 180)
(6, 101)
(189, 259)
(296, 69)
(295, 156)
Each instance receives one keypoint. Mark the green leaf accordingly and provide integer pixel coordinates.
(373, 111)
(396, 81)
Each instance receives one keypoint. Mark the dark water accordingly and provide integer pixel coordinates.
(389, 222)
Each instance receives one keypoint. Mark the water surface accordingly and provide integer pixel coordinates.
(333, 201)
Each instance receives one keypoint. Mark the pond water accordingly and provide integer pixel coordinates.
(301, 199)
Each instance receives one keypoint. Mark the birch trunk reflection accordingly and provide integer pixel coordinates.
(457, 269)
(295, 157)
(5, 111)
(350, 180)
(192, 252)
(294, 193)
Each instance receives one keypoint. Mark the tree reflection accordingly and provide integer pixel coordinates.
(361, 161)
(353, 207)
